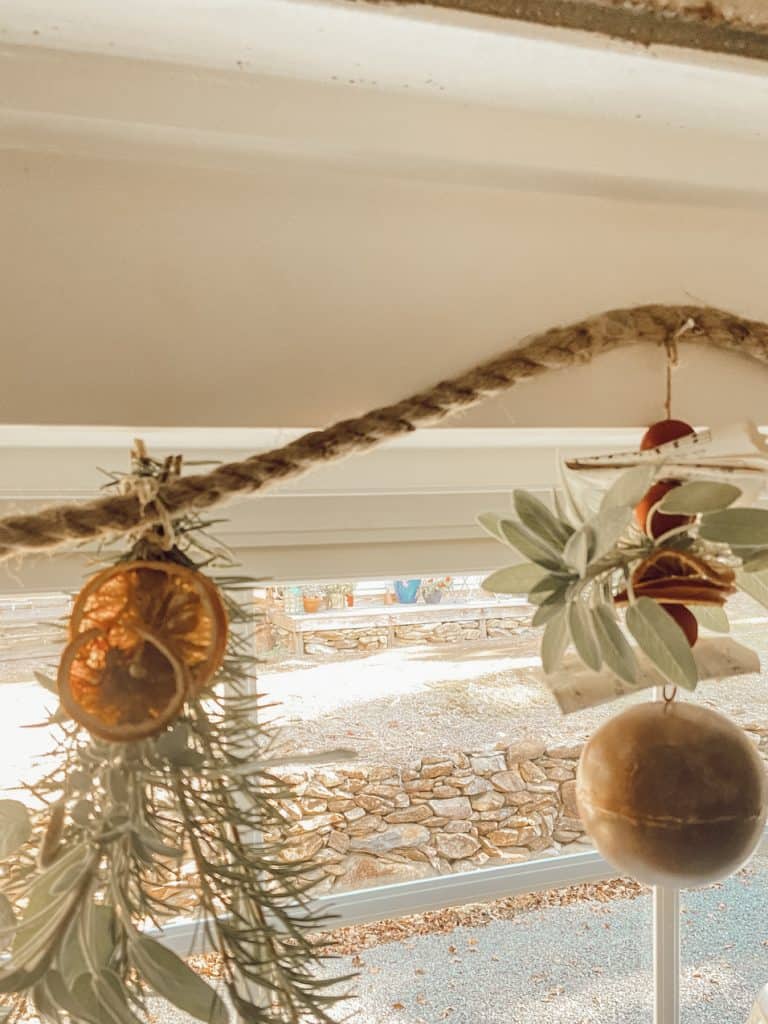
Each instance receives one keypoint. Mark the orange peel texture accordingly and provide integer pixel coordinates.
(178, 606)
(121, 692)
(678, 577)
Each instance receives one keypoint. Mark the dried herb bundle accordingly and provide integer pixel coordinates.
(123, 824)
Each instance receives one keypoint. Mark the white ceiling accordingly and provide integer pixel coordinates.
(276, 214)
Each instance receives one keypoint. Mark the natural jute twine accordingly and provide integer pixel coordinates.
(556, 349)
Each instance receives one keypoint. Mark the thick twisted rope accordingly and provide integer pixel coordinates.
(556, 349)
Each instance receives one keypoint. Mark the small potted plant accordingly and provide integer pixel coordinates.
(336, 596)
(434, 589)
(312, 600)
(407, 590)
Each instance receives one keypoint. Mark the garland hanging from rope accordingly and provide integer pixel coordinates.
(555, 349)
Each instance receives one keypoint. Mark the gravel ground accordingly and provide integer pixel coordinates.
(575, 961)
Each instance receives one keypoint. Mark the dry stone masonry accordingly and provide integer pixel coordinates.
(445, 813)
(370, 825)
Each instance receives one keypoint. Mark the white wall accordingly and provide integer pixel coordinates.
(187, 245)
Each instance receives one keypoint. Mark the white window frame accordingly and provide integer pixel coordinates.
(406, 507)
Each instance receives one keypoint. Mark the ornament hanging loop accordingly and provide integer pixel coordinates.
(146, 487)
(669, 693)
(673, 360)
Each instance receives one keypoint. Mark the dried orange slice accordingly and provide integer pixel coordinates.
(180, 606)
(121, 692)
(678, 577)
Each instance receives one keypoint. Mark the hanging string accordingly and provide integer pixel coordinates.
(669, 697)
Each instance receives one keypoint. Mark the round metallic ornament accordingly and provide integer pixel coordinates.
(672, 794)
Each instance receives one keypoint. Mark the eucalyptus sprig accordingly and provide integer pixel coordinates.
(577, 565)
(94, 875)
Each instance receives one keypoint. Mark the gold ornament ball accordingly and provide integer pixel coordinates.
(672, 794)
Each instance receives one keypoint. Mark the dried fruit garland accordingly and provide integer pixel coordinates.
(156, 770)
(671, 793)
(656, 546)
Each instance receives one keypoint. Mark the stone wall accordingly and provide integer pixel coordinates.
(375, 638)
(445, 813)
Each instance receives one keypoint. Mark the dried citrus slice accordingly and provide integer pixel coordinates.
(121, 692)
(177, 604)
(680, 578)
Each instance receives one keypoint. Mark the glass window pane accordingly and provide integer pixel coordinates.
(724, 936)
(462, 759)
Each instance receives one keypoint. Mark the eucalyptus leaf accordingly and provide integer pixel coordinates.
(172, 979)
(740, 527)
(491, 523)
(616, 650)
(583, 635)
(711, 617)
(661, 639)
(516, 579)
(535, 515)
(530, 546)
(15, 827)
(629, 488)
(554, 642)
(699, 496)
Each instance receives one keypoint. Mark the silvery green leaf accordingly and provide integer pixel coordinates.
(628, 489)
(548, 609)
(610, 526)
(554, 642)
(98, 931)
(755, 584)
(70, 996)
(548, 586)
(739, 527)
(529, 546)
(516, 579)
(756, 562)
(711, 617)
(577, 550)
(112, 997)
(15, 827)
(53, 833)
(45, 1005)
(7, 922)
(490, 522)
(81, 812)
(616, 651)
(699, 496)
(172, 979)
(662, 640)
(47, 683)
(574, 513)
(44, 911)
(583, 635)
(535, 515)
